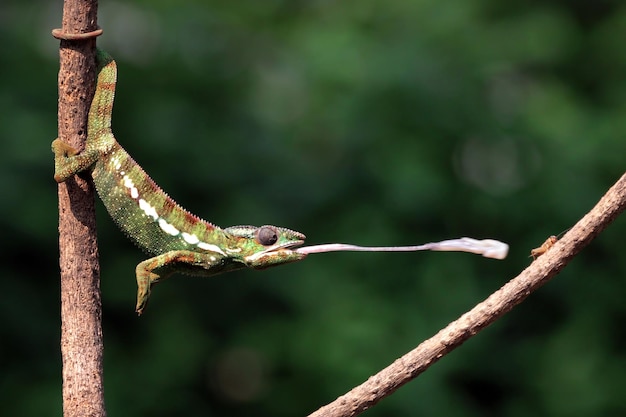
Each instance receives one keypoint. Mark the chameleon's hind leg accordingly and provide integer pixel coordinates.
(156, 269)
(68, 162)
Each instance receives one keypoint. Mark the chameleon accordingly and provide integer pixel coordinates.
(176, 240)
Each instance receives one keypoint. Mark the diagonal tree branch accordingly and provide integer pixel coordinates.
(497, 304)
(81, 330)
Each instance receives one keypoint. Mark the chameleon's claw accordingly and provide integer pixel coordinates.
(140, 306)
(61, 148)
(143, 294)
(143, 287)
(142, 300)
(62, 151)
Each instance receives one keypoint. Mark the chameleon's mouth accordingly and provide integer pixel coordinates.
(287, 245)
(277, 251)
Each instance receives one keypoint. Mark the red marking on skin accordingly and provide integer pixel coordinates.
(103, 85)
(167, 208)
(191, 218)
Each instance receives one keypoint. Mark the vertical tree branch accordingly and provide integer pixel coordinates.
(415, 362)
(81, 329)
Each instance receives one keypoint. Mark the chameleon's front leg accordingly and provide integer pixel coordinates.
(68, 162)
(156, 269)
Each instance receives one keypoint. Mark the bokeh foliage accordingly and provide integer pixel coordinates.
(370, 122)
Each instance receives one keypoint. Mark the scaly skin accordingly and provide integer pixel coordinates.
(179, 241)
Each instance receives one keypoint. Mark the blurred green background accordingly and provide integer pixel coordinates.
(371, 122)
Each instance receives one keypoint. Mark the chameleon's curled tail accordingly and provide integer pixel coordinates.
(99, 121)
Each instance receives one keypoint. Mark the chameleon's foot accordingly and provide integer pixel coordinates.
(143, 293)
(60, 148)
(154, 270)
(61, 152)
(146, 278)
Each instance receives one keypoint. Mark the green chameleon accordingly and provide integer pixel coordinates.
(178, 241)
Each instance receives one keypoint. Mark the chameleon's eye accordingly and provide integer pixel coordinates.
(267, 235)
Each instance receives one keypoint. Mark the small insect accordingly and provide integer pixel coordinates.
(537, 252)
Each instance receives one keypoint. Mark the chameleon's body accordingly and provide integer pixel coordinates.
(178, 240)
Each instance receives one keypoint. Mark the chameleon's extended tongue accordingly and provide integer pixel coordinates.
(488, 248)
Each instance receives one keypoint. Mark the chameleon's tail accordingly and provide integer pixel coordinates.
(99, 121)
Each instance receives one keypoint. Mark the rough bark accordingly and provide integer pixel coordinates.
(81, 330)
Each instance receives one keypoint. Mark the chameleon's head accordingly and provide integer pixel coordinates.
(266, 246)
